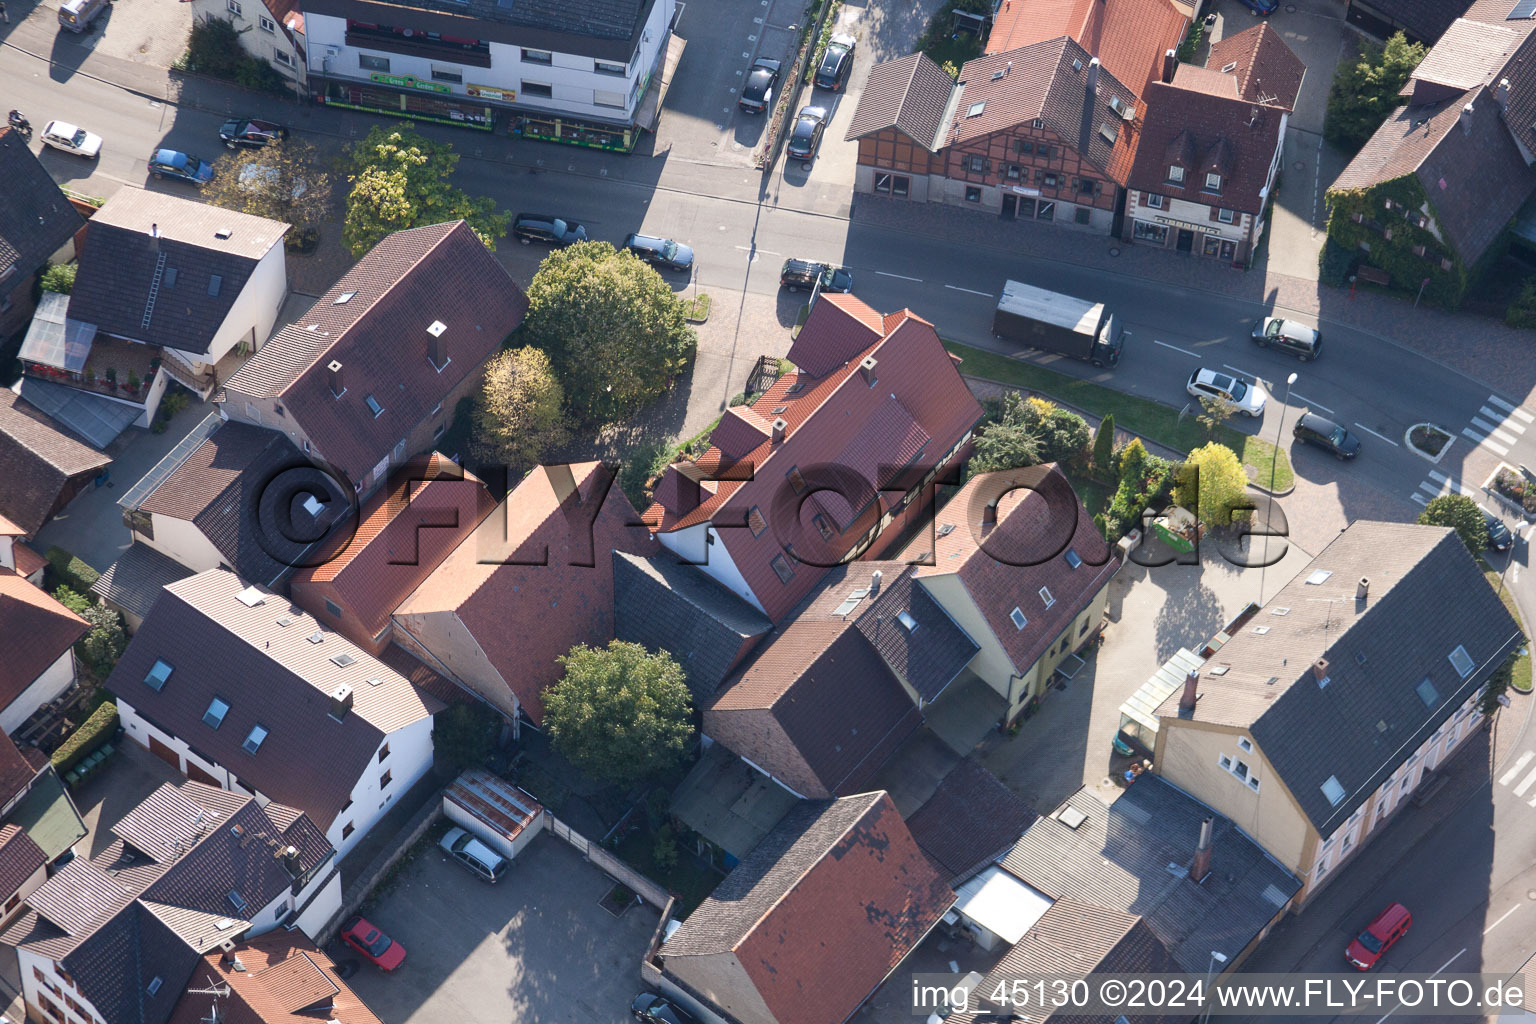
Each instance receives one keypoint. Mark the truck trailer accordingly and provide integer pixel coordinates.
(1053, 322)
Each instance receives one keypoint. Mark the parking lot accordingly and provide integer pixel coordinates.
(536, 946)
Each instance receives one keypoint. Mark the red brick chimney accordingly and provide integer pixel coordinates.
(1170, 65)
(1191, 693)
(1202, 865)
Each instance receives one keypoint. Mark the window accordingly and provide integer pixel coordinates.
(1445, 264)
(1176, 174)
(1081, 215)
(237, 901)
(898, 185)
(1049, 180)
(1084, 186)
(907, 621)
(282, 56)
(442, 74)
(972, 194)
(154, 985)
(795, 479)
(1084, 627)
(332, 608)
(385, 779)
(254, 739)
(537, 56)
(383, 752)
(1019, 621)
(1253, 783)
(266, 23)
(1225, 216)
(1014, 171)
(1039, 124)
(608, 99)
(1152, 200)
(1145, 232)
(1213, 182)
(1224, 761)
(1240, 769)
(1333, 789)
(12, 903)
(234, 7)
(541, 89)
(781, 569)
(215, 284)
(822, 526)
(1427, 692)
(1073, 558)
(346, 830)
(277, 915)
(976, 164)
(755, 521)
(1024, 147)
(158, 675)
(374, 406)
(1322, 867)
(1462, 662)
(1348, 842)
(1244, 744)
(368, 62)
(1045, 595)
(214, 716)
(1045, 210)
(607, 67)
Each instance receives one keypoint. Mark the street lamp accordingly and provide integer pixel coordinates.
(1216, 958)
(1269, 507)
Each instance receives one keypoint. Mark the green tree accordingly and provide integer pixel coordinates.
(59, 277)
(104, 644)
(1521, 313)
(464, 736)
(1461, 514)
(1213, 413)
(620, 713)
(73, 600)
(1498, 685)
(1211, 484)
(1010, 439)
(1104, 447)
(1064, 436)
(614, 329)
(285, 181)
(1365, 90)
(517, 411)
(400, 180)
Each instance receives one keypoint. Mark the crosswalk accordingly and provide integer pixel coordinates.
(1527, 779)
(1497, 426)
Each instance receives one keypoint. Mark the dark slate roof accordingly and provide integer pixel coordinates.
(605, 29)
(36, 460)
(1225, 134)
(969, 821)
(35, 219)
(20, 858)
(668, 606)
(1119, 858)
(133, 581)
(729, 802)
(1426, 598)
(821, 911)
(930, 654)
(909, 94)
(1421, 19)
(121, 256)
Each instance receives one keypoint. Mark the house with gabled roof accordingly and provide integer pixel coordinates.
(302, 692)
(117, 937)
(272, 31)
(1318, 720)
(371, 374)
(969, 821)
(37, 649)
(873, 412)
(811, 922)
(279, 977)
(19, 556)
(36, 221)
(43, 466)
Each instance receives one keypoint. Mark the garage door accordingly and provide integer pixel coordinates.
(196, 774)
(164, 753)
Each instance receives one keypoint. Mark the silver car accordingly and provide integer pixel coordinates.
(474, 854)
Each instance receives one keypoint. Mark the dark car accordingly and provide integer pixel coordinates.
(248, 131)
(832, 72)
(1261, 6)
(660, 250)
(806, 137)
(798, 274)
(536, 227)
(168, 163)
(1327, 435)
(654, 1009)
(1499, 537)
(757, 94)
(1370, 945)
(1299, 340)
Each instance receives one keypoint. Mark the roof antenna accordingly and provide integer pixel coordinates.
(217, 992)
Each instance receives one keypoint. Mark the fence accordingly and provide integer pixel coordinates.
(615, 868)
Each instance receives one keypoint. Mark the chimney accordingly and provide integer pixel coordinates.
(289, 855)
(781, 426)
(1093, 75)
(989, 514)
(341, 701)
(1202, 865)
(867, 370)
(333, 377)
(436, 351)
(1320, 669)
(1503, 94)
(1170, 64)
(1363, 588)
(154, 237)
(874, 582)
(1191, 693)
(1466, 119)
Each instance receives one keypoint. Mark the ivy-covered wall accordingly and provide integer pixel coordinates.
(1396, 255)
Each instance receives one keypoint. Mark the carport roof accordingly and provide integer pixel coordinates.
(729, 803)
(135, 580)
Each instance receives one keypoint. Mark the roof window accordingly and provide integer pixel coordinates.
(317, 637)
(343, 298)
(154, 985)
(169, 280)
(374, 406)
(237, 901)
(1427, 692)
(158, 675)
(1228, 68)
(976, 109)
(907, 620)
(781, 568)
(1333, 790)
(343, 659)
(250, 597)
(313, 505)
(1109, 133)
(755, 521)
(1319, 577)
(1019, 619)
(1045, 595)
(1462, 662)
(254, 738)
(214, 716)
(1073, 558)
(851, 601)
(215, 284)
(1280, 611)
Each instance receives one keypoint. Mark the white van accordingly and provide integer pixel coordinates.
(77, 15)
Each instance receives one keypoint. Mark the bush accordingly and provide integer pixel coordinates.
(214, 49)
(59, 277)
(104, 644)
(1365, 90)
(70, 571)
(76, 603)
(1335, 263)
(1522, 312)
(93, 732)
(1192, 40)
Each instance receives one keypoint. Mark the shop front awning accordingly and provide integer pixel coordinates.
(649, 111)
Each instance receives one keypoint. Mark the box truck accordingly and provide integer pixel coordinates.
(1053, 322)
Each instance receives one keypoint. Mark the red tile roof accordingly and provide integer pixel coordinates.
(1267, 70)
(35, 632)
(10, 529)
(1129, 36)
(521, 617)
(403, 533)
(286, 980)
(1230, 136)
(28, 559)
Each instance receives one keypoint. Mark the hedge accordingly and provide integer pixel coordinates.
(71, 571)
(92, 733)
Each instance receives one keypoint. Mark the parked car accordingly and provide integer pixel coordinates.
(168, 163)
(1499, 537)
(836, 62)
(1327, 435)
(77, 15)
(474, 855)
(1370, 945)
(660, 250)
(248, 131)
(537, 227)
(654, 1009)
(1289, 336)
(1261, 6)
(798, 274)
(1248, 398)
(805, 139)
(757, 95)
(381, 950)
(69, 138)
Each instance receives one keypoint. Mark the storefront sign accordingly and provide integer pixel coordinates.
(1189, 225)
(407, 82)
(486, 92)
(1021, 190)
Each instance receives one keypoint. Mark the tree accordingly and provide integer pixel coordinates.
(614, 329)
(1211, 484)
(465, 736)
(1010, 440)
(60, 277)
(284, 180)
(104, 644)
(73, 600)
(1365, 90)
(517, 411)
(620, 713)
(1214, 412)
(400, 180)
(1461, 514)
(1064, 436)
(1104, 446)
(1498, 685)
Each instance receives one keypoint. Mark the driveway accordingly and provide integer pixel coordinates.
(534, 947)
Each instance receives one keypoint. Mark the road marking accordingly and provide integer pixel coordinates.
(900, 277)
(1304, 400)
(1432, 489)
(1500, 921)
(1520, 763)
(972, 291)
(1502, 420)
(1244, 373)
(760, 252)
(1420, 499)
(1435, 474)
(1176, 348)
(1443, 966)
(1493, 446)
(1526, 783)
(1492, 431)
(1513, 410)
(1373, 433)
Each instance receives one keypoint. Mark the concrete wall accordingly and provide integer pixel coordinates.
(181, 541)
(54, 988)
(325, 906)
(15, 910)
(56, 678)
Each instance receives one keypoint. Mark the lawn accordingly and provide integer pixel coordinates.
(1520, 678)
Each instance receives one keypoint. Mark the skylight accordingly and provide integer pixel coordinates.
(1109, 133)
(851, 601)
(313, 505)
(1319, 577)
(158, 676)
(316, 637)
(374, 406)
(154, 985)
(253, 739)
(343, 298)
(1462, 661)
(946, 529)
(976, 108)
(1333, 790)
(215, 284)
(214, 716)
(1427, 692)
(343, 659)
(1019, 621)
(237, 901)
(1279, 611)
(1073, 558)
(908, 621)
(1045, 595)
(250, 597)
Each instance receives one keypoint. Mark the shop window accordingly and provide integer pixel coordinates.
(442, 74)
(1045, 210)
(1152, 200)
(1211, 246)
(370, 62)
(972, 194)
(608, 99)
(537, 57)
(540, 89)
(1082, 215)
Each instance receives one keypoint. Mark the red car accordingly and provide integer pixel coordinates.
(383, 951)
(1372, 944)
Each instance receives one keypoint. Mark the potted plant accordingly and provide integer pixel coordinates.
(90, 377)
(133, 382)
(112, 377)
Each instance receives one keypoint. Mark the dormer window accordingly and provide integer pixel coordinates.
(1213, 182)
(1176, 174)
